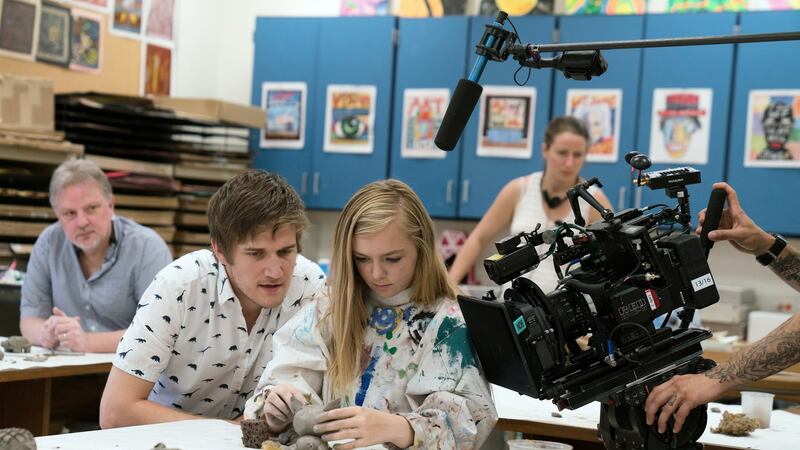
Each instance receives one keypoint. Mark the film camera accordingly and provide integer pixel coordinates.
(622, 273)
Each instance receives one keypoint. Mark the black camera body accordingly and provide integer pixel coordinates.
(622, 273)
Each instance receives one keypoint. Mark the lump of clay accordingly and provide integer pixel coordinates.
(735, 425)
(2, 355)
(254, 432)
(163, 446)
(310, 443)
(17, 344)
(16, 439)
(307, 416)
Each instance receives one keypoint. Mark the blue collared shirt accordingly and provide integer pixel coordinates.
(106, 301)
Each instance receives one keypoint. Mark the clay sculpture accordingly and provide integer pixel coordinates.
(16, 439)
(17, 344)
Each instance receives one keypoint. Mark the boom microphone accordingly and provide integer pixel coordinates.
(713, 215)
(462, 103)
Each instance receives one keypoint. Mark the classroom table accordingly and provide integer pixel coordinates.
(26, 386)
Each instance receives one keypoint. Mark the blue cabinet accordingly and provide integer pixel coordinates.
(769, 195)
(623, 73)
(431, 55)
(321, 52)
(696, 67)
(483, 177)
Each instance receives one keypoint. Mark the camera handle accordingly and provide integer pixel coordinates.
(581, 190)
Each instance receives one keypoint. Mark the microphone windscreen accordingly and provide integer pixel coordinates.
(458, 111)
(713, 214)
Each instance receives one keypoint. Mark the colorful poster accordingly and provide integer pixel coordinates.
(87, 45)
(599, 109)
(96, 5)
(364, 8)
(516, 7)
(126, 19)
(682, 6)
(433, 8)
(773, 129)
(160, 19)
(285, 105)
(158, 70)
(350, 118)
(608, 7)
(54, 36)
(18, 28)
(772, 5)
(423, 110)
(505, 122)
(680, 125)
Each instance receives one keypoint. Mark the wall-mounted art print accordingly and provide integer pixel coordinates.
(423, 110)
(160, 19)
(599, 109)
(95, 5)
(285, 105)
(158, 70)
(515, 7)
(684, 6)
(19, 28)
(680, 125)
(54, 36)
(772, 5)
(364, 8)
(126, 18)
(350, 118)
(505, 122)
(606, 7)
(87, 45)
(773, 129)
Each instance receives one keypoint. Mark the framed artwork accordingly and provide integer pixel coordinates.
(54, 35)
(19, 28)
(161, 19)
(680, 125)
(126, 18)
(364, 8)
(158, 70)
(87, 45)
(423, 111)
(285, 105)
(94, 5)
(350, 118)
(607, 7)
(773, 129)
(599, 109)
(505, 122)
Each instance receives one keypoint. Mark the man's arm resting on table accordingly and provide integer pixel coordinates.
(99, 342)
(31, 328)
(125, 403)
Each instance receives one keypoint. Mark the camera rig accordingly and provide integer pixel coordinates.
(622, 273)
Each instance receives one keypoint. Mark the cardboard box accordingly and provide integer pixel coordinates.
(214, 110)
(26, 103)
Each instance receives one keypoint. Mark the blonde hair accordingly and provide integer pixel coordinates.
(371, 210)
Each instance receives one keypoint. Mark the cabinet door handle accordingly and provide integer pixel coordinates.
(315, 184)
(303, 183)
(621, 200)
(449, 195)
(465, 191)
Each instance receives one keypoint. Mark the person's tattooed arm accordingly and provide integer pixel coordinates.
(787, 266)
(767, 356)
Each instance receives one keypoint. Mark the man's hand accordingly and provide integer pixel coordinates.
(366, 426)
(678, 396)
(69, 333)
(47, 334)
(278, 407)
(735, 226)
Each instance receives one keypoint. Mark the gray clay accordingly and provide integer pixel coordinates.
(17, 344)
(162, 446)
(16, 439)
(306, 417)
(310, 443)
(2, 355)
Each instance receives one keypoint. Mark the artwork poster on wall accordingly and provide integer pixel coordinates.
(94, 5)
(364, 8)
(158, 70)
(607, 7)
(599, 109)
(285, 106)
(19, 28)
(423, 110)
(87, 45)
(350, 118)
(126, 18)
(160, 19)
(680, 125)
(54, 35)
(773, 129)
(505, 122)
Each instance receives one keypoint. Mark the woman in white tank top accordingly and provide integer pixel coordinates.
(536, 198)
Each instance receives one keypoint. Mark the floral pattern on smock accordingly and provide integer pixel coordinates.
(417, 362)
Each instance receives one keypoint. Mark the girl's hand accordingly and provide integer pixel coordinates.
(366, 426)
(277, 406)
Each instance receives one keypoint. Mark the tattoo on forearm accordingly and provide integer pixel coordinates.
(788, 268)
(775, 352)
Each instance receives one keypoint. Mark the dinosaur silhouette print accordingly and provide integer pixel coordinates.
(233, 348)
(212, 304)
(148, 328)
(296, 303)
(193, 339)
(173, 378)
(203, 291)
(125, 353)
(230, 299)
(192, 366)
(219, 364)
(222, 316)
(177, 267)
(216, 336)
(223, 386)
(166, 319)
(161, 384)
(180, 297)
(158, 297)
(203, 351)
(208, 380)
(155, 358)
(141, 305)
(138, 372)
(189, 394)
(175, 352)
(192, 308)
(208, 400)
(242, 329)
(140, 340)
(177, 406)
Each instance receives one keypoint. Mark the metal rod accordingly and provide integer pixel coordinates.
(647, 43)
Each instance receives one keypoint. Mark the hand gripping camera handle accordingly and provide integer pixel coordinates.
(713, 215)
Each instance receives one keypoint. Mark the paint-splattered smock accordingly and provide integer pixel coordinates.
(417, 363)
